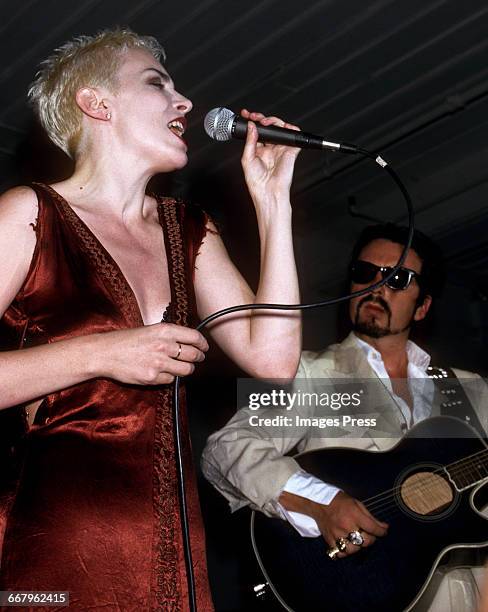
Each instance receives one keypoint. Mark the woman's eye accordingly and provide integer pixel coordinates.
(157, 84)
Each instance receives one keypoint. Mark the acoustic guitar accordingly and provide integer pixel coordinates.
(430, 488)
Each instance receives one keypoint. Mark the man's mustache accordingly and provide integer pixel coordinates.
(376, 299)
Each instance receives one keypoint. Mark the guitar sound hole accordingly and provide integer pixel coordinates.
(426, 493)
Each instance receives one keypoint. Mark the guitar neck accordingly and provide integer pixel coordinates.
(469, 471)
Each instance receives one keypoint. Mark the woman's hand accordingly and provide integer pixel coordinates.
(150, 355)
(264, 344)
(268, 168)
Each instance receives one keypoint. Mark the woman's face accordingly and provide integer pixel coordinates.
(148, 114)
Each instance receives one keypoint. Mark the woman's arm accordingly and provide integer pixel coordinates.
(145, 355)
(266, 344)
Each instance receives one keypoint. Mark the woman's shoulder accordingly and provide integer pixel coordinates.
(18, 217)
(18, 204)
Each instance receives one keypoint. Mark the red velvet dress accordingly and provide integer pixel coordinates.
(95, 509)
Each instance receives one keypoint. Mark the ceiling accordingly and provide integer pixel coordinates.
(408, 78)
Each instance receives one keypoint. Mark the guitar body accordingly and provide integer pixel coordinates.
(390, 575)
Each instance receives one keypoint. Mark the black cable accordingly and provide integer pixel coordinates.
(176, 411)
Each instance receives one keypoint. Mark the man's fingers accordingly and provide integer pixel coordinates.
(370, 523)
(368, 539)
(350, 548)
(341, 519)
(372, 526)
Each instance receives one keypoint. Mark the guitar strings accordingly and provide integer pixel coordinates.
(450, 467)
(385, 496)
(386, 499)
(391, 502)
(474, 464)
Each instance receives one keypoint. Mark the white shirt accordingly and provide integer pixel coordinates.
(422, 392)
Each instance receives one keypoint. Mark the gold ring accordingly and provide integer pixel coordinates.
(179, 350)
(333, 552)
(341, 544)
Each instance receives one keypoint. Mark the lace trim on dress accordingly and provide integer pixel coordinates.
(166, 584)
(168, 587)
(168, 217)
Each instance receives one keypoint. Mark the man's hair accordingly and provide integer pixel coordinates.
(85, 61)
(432, 277)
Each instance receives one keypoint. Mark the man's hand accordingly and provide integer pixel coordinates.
(338, 519)
(342, 516)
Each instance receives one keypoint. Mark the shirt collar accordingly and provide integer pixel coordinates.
(415, 354)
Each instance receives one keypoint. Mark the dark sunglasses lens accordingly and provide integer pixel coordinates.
(363, 272)
(400, 280)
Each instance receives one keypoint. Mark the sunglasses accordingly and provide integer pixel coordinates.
(364, 272)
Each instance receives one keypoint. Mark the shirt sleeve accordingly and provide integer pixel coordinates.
(306, 485)
(247, 463)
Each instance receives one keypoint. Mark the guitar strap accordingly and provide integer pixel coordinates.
(456, 402)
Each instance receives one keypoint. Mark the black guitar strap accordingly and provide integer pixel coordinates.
(456, 402)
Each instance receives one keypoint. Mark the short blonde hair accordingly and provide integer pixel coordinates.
(85, 61)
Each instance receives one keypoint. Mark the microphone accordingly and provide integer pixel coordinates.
(222, 124)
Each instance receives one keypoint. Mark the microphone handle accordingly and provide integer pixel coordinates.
(276, 135)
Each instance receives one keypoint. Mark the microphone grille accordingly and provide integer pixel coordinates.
(218, 123)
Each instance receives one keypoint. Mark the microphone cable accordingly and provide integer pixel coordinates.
(176, 408)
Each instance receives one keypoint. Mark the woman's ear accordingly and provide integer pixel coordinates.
(91, 103)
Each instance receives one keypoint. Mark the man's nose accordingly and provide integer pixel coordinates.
(378, 277)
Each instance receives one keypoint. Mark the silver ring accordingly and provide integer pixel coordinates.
(333, 552)
(355, 538)
(179, 350)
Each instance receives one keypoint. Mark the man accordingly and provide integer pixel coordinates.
(247, 464)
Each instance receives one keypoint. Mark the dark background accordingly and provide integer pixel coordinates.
(408, 78)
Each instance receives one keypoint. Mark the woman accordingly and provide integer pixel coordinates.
(95, 511)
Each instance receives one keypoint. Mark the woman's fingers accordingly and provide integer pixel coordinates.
(184, 335)
(150, 355)
(267, 120)
(185, 352)
(251, 143)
